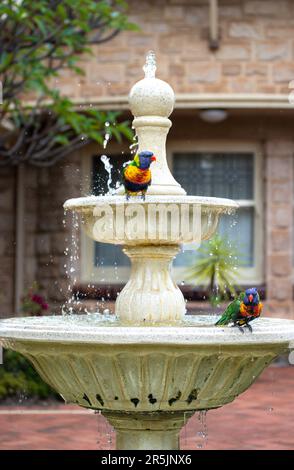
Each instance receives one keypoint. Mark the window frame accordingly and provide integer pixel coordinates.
(248, 275)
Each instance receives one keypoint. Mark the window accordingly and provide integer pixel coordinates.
(222, 175)
(232, 172)
(229, 174)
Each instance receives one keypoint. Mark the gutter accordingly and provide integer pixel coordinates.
(200, 101)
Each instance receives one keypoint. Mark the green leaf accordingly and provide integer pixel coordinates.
(46, 42)
(96, 136)
(5, 60)
(125, 129)
(61, 139)
(41, 25)
(114, 131)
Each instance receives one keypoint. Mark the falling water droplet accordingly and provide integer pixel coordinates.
(71, 266)
(106, 139)
(150, 65)
(203, 432)
(108, 168)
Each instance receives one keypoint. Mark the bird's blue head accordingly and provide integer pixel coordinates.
(145, 159)
(251, 297)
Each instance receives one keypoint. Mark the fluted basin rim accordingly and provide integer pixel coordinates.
(82, 204)
(80, 330)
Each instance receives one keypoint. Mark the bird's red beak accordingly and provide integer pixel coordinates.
(153, 158)
(250, 297)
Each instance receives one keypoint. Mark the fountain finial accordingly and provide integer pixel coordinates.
(151, 102)
(151, 96)
(150, 65)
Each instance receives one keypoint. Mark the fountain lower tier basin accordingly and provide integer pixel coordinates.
(147, 381)
(157, 220)
(145, 369)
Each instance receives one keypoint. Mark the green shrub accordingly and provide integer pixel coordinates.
(216, 268)
(18, 377)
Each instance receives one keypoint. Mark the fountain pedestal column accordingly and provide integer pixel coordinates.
(150, 294)
(146, 431)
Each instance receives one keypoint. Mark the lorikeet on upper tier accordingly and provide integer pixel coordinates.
(243, 310)
(137, 174)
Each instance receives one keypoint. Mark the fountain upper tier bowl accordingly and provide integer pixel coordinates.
(156, 220)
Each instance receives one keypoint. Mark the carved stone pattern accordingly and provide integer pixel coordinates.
(142, 378)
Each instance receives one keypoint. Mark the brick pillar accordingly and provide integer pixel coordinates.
(7, 240)
(30, 225)
(279, 227)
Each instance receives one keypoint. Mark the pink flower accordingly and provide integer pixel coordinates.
(38, 299)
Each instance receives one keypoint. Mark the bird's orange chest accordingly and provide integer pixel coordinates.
(136, 175)
(252, 311)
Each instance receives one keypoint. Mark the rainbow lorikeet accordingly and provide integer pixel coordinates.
(137, 174)
(242, 310)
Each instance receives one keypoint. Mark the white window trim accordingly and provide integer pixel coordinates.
(252, 275)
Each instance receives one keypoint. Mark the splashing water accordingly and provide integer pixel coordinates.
(104, 429)
(150, 65)
(22, 397)
(108, 167)
(110, 437)
(184, 436)
(72, 253)
(203, 432)
(106, 135)
(134, 147)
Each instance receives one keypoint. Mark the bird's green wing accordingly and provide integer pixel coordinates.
(241, 296)
(230, 314)
(132, 163)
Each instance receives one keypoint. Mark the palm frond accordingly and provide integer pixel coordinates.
(216, 268)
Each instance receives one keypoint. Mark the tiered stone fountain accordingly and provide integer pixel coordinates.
(148, 369)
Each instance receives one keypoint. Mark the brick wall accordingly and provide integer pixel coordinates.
(279, 226)
(30, 225)
(255, 53)
(45, 235)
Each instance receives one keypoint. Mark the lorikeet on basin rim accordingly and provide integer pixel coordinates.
(242, 310)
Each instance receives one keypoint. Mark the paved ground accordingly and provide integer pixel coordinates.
(261, 418)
